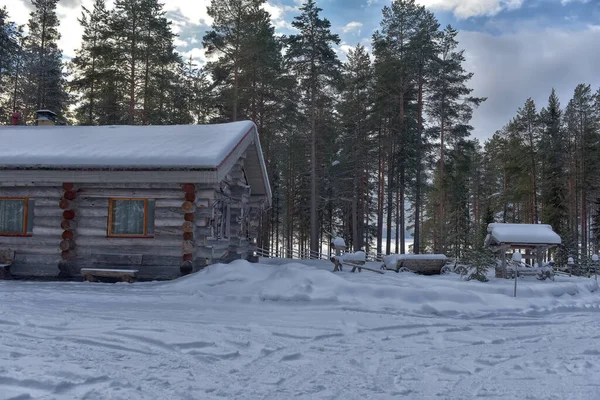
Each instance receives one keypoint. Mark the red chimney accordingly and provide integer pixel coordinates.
(16, 117)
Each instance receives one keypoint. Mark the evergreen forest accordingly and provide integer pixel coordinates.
(375, 147)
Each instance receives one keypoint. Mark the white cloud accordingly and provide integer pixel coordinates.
(279, 14)
(198, 54)
(352, 26)
(515, 66)
(194, 11)
(472, 8)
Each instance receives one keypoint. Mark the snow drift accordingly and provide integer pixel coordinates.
(244, 282)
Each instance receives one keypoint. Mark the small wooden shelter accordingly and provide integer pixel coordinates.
(158, 200)
(534, 239)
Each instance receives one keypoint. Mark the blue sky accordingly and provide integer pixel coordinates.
(516, 48)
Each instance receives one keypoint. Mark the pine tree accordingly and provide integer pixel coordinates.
(11, 55)
(450, 108)
(527, 122)
(356, 141)
(92, 67)
(553, 153)
(582, 125)
(316, 65)
(44, 81)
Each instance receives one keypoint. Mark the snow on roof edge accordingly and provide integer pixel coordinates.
(522, 234)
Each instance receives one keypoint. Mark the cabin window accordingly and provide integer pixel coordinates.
(131, 218)
(16, 217)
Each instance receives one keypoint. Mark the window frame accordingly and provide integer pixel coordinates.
(24, 232)
(111, 207)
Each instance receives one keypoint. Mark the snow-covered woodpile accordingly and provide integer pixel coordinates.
(163, 200)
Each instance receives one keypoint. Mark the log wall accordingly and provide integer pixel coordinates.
(194, 225)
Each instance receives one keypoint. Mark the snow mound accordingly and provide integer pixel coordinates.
(244, 282)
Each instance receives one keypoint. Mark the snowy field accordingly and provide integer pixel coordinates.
(256, 331)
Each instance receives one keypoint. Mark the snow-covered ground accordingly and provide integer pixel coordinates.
(257, 331)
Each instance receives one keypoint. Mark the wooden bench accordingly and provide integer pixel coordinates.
(6, 259)
(126, 275)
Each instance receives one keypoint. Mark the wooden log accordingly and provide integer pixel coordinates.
(35, 192)
(148, 251)
(69, 214)
(63, 204)
(67, 245)
(170, 222)
(65, 224)
(189, 188)
(188, 257)
(188, 227)
(188, 246)
(40, 231)
(168, 203)
(166, 213)
(47, 211)
(141, 243)
(92, 212)
(188, 236)
(190, 197)
(67, 255)
(68, 235)
(130, 193)
(67, 186)
(70, 195)
(189, 217)
(187, 207)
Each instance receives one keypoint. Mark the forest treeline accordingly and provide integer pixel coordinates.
(366, 148)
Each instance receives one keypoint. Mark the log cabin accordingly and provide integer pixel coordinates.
(163, 200)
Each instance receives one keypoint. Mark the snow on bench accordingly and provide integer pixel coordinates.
(6, 259)
(126, 275)
(355, 260)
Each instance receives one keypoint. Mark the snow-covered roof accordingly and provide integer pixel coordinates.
(142, 148)
(526, 234)
(175, 146)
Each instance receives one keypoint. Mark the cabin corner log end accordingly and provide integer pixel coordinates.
(188, 228)
(67, 266)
